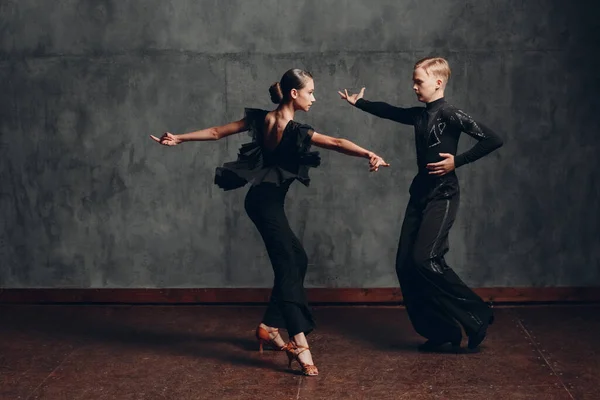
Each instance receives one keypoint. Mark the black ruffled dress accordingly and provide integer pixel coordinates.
(271, 172)
(291, 159)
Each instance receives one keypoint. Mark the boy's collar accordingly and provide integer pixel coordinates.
(435, 103)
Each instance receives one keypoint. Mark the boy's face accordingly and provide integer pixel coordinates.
(425, 85)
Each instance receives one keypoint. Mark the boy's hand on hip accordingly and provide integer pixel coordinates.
(442, 167)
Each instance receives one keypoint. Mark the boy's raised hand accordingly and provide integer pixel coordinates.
(352, 98)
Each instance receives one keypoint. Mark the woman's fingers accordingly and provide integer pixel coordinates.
(167, 139)
(375, 162)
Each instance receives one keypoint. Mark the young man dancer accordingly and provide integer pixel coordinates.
(436, 299)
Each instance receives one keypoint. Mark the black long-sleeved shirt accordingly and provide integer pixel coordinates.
(437, 130)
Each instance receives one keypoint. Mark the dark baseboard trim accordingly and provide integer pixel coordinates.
(261, 295)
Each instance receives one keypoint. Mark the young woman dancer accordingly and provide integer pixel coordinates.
(278, 155)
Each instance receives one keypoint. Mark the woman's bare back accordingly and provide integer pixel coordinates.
(273, 130)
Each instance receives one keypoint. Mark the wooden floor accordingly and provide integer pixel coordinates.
(208, 352)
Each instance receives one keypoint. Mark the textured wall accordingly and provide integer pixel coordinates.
(87, 200)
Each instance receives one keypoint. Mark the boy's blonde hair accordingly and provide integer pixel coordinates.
(436, 66)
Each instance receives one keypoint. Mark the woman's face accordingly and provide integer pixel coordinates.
(303, 98)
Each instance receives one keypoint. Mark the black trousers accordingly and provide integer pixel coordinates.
(288, 305)
(436, 299)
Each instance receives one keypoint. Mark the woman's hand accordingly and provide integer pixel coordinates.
(375, 162)
(167, 139)
(352, 98)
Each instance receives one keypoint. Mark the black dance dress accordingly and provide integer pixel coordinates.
(271, 172)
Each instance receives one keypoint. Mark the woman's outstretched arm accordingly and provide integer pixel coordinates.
(345, 146)
(213, 133)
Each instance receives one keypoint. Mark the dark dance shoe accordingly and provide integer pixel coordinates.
(491, 320)
(293, 352)
(437, 345)
(264, 337)
(476, 339)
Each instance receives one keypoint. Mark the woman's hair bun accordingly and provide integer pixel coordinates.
(276, 93)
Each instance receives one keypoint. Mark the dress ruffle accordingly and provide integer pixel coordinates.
(281, 165)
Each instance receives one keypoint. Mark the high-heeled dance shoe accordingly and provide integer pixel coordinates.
(264, 337)
(293, 352)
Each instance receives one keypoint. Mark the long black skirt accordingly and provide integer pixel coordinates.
(288, 305)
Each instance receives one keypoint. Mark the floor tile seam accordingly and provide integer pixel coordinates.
(51, 373)
(538, 348)
(299, 387)
(501, 386)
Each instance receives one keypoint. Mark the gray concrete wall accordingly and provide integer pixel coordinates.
(87, 200)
